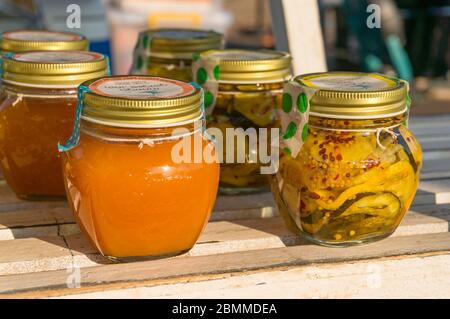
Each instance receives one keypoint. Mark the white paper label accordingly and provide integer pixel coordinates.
(38, 35)
(57, 56)
(350, 82)
(141, 87)
(243, 55)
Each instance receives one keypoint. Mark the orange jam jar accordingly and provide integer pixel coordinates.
(41, 40)
(37, 104)
(130, 192)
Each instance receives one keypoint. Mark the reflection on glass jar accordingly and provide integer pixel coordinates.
(169, 52)
(246, 88)
(353, 180)
(131, 197)
(38, 98)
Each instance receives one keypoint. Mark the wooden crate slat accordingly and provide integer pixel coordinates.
(52, 221)
(426, 125)
(439, 188)
(9, 201)
(227, 207)
(206, 267)
(219, 237)
(434, 142)
(394, 277)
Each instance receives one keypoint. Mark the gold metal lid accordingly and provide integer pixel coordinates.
(251, 65)
(53, 68)
(178, 43)
(41, 40)
(141, 101)
(354, 95)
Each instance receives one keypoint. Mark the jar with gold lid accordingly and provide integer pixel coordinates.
(243, 90)
(349, 167)
(41, 40)
(38, 98)
(133, 190)
(169, 52)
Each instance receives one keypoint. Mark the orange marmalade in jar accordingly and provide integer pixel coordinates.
(41, 40)
(38, 99)
(131, 193)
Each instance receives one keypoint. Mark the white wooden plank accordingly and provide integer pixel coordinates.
(201, 268)
(380, 278)
(297, 29)
(439, 188)
(218, 238)
(10, 202)
(59, 221)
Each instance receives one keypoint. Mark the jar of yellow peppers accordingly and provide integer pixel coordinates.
(243, 90)
(169, 52)
(350, 167)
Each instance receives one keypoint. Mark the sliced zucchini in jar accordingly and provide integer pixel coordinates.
(385, 205)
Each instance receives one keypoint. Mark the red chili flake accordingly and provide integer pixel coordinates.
(339, 157)
(329, 188)
(302, 205)
(346, 123)
(324, 157)
(314, 195)
(303, 189)
(322, 151)
(336, 177)
(321, 145)
(347, 175)
(324, 180)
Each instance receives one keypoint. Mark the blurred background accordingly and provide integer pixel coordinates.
(413, 42)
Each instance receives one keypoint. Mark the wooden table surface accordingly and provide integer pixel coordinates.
(245, 250)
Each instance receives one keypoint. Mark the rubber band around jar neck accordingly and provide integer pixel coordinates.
(355, 130)
(145, 141)
(347, 117)
(127, 125)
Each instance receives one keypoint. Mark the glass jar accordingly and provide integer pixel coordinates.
(243, 90)
(41, 40)
(356, 173)
(129, 192)
(38, 99)
(169, 52)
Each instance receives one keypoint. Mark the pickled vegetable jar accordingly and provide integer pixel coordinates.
(350, 173)
(41, 40)
(169, 52)
(129, 192)
(243, 90)
(37, 99)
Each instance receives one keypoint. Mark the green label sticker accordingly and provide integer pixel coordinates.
(287, 150)
(202, 76)
(209, 99)
(290, 131)
(305, 132)
(286, 103)
(216, 72)
(302, 102)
